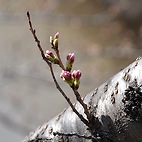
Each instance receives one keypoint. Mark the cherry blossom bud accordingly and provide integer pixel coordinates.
(56, 36)
(67, 77)
(70, 57)
(76, 74)
(70, 60)
(51, 57)
(49, 53)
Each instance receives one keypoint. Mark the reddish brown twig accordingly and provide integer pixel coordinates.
(60, 61)
(33, 31)
(79, 99)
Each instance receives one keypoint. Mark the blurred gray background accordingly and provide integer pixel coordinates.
(105, 36)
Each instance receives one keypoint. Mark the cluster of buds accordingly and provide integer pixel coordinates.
(49, 54)
(73, 79)
(51, 57)
(54, 41)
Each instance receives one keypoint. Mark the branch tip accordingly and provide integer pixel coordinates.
(28, 15)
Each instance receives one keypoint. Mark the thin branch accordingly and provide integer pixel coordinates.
(33, 31)
(53, 76)
(79, 99)
(60, 61)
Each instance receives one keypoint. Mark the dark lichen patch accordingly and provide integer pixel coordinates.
(92, 96)
(133, 102)
(42, 132)
(116, 88)
(126, 77)
(95, 92)
(136, 64)
(128, 70)
(37, 136)
(112, 98)
(43, 129)
(38, 128)
(139, 58)
(50, 130)
(116, 92)
(106, 88)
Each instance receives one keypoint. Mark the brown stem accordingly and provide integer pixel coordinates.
(59, 58)
(33, 31)
(79, 99)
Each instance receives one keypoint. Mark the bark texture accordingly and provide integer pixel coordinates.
(117, 109)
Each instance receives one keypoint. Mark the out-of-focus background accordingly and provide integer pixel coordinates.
(106, 36)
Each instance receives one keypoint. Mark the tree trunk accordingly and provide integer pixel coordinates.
(116, 106)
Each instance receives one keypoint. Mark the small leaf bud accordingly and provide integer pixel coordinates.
(55, 43)
(51, 40)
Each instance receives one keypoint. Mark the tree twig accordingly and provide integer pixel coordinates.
(52, 73)
(33, 31)
(60, 61)
(79, 99)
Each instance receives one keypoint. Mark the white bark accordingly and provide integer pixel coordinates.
(116, 105)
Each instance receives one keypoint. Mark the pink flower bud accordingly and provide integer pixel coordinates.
(76, 74)
(70, 57)
(56, 35)
(49, 54)
(70, 60)
(66, 75)
(51, 57)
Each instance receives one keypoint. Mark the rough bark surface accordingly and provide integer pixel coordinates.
(116, 105)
